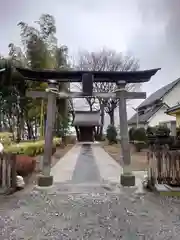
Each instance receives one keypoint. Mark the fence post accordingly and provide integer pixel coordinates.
(8, 170)
(1, 161)
(13, 171)
(4, 171)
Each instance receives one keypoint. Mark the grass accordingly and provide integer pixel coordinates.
(138, 159)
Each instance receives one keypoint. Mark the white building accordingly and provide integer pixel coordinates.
(151, 112)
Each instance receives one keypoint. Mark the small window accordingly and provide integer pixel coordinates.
(141, 112)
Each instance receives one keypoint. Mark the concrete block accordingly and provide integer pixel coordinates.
(127, 180)
(44, 181)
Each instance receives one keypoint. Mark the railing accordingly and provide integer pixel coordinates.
(164, 166)
(7, 172)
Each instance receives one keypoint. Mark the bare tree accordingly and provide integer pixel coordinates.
(106, 60)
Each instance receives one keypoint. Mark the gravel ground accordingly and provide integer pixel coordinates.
(88, 212)
(85, 209)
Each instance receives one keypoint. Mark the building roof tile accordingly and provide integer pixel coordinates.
(158, 94)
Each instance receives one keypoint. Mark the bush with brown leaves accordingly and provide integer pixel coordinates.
(25, 165)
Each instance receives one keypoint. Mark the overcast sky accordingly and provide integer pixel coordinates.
(147, 29)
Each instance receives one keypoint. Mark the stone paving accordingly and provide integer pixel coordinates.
(86, 169)
(63, 170)
(85, 206)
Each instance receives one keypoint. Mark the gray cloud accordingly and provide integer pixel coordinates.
(149, 29)
(157, 43)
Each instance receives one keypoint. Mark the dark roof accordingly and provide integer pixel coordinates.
(174, 108)
(143, 118)
(158, 94)
(86, 118)
(76, 76)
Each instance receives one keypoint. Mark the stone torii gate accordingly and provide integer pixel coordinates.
(87, 78)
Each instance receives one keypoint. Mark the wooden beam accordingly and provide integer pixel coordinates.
(76, 76)
(128, 95)
(87, 84)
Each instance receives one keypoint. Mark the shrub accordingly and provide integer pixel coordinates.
(162, 130)
(131, 134)
(25, 165)
(150, 131)
(139, 138)
(111, 134)
(25, 151)
(140, 135)
(31, 148)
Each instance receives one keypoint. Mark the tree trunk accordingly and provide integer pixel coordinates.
(77, 133)
(99, 129)
(90, 107)
(10, 126)
(30, 130)
(111, 115)
(102, 119)
(76, 128)
(18, 127)
(36, 128)
(1, 121)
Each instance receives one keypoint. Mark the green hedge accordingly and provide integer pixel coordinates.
(6, 138)
(30, 148)
(111, 134)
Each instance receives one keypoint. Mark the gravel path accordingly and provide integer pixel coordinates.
(86, 212)
(85, 209)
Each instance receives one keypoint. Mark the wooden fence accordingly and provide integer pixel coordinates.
(164, 166)
(7, 172)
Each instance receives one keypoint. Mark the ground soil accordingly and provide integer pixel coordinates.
(138, 159)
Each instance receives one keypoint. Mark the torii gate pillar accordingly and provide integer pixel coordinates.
(127, 179)
(46, 179)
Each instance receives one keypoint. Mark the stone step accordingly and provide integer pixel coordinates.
(166, 190)
(161, 188)
(175, 189)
